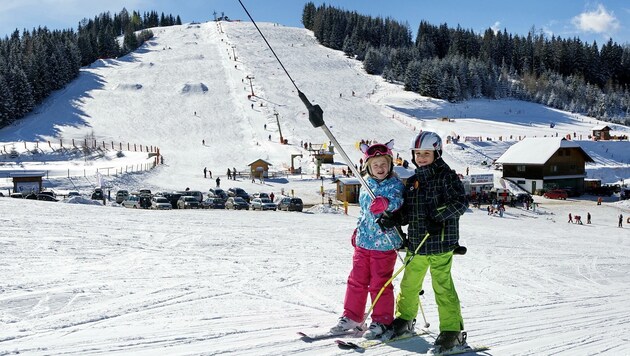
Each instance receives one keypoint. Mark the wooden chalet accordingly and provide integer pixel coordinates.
(537, 164)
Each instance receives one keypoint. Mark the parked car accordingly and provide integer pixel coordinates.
(97, 194)
(556, 194)
(16, 195)
(191, 193)
(263, 204)
(160, 203)
(217, 192)
(173, 198)
(50, 193)
(187, 202)
(571, 191)
(213, 203)
(238, 192)
(291, 204)
(260, 195)
(45, 197)
(145, 201)
(197, 194)
(602, 191)
(121, 196)
(132, 201)
(236, 203)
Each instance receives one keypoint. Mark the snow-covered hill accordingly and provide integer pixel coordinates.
(185, 87)
(79, 279)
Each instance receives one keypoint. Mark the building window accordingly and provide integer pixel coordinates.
(520, 182)
(554, 168)
(520, 168)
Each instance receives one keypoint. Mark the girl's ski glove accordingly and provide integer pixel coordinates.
(379, 205)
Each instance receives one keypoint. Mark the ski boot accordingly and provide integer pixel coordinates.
(402, 326)
(344, 324)
(375, 331)
(449, 339)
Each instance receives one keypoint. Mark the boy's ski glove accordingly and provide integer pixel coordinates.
(379, 205)
(388, 220)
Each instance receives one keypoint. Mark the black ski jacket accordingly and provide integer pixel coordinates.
(434, 199)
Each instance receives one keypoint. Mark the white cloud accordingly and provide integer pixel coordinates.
(598, 21)
(496, 27)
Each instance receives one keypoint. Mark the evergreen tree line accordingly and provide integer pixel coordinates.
(38, 62)
(457, 64)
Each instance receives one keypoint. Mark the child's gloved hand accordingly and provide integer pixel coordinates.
(379, 205)
(388, 220)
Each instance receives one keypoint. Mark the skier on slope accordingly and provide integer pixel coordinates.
(374, 248)
(434, 199)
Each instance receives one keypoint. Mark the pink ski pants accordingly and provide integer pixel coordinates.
(370, 270)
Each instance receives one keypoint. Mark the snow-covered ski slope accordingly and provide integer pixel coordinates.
(185, 86)
(82, 279)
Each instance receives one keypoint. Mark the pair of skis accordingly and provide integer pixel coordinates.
(387, 338)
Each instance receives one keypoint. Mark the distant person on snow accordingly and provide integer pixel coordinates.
(218, 182)
(374, 248)
(229, 173)
(434, 199)
(205, 172)
(620, 221)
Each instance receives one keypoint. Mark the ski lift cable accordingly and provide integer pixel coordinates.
(316, 117)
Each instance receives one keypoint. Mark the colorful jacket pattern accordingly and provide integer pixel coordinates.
(370, 236)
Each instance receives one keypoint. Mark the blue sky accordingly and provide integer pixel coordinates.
(588, 20)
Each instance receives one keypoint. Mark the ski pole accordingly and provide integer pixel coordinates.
(389, 281)
(316, 117)
(426, 323)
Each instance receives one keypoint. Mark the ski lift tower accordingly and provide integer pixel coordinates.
(279, 130)
(249, 77)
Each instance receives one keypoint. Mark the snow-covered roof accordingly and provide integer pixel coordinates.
(27, 174)
(349, 181)
(601, 128)
(260, 160)
(537, 150)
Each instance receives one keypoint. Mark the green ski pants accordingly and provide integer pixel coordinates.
(446, 298)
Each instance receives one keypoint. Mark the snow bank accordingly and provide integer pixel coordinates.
(82, 200)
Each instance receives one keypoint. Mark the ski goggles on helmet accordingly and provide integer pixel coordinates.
(377, 149)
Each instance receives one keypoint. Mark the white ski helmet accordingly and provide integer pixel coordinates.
(427, 140)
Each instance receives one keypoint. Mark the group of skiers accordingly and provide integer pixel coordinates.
(207, 172)
(577, 219)
(231, 174)
(430, 203)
